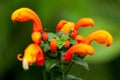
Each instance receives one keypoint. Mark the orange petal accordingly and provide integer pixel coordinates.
(25, 14)
(31, 52)
(81, 49)
(36, 37)
(101, 36)
(84, 22)
(67, 27)
(53, 45)
(79, 39)
(60, 25)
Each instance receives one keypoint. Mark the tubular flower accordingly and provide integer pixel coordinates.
(32, 54)
(83, 22)
(67, 27)
(25, 14)
(36, 37)
(60, 25)
(101, 36)
(81, 49)
(53, 45)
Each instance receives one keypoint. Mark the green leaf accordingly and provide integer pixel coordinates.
(46, 47)
(60, 33)
(72, 41)
(50, 64)
(51, 36)
(60, 43)
(80, 61)
(63, 38)
(72, 77)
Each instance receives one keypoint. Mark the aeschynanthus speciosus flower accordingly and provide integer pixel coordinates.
(60, 25)
(83, 22)
(32, 54)
(45, 36)
(101, 36)
(25, 14)
(81, 49)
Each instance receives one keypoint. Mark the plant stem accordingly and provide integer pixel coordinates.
(44, 73)
(68, 69)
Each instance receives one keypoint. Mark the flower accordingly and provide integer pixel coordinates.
(60, 25)
(25, 14)
(32, 54)
(81, 49)
(66, 40)
(101, 36)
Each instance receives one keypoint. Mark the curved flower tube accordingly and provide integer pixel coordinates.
(83, 22)
(32, 54)
(25, 14)
(53, 45)
(101, 36)
(60, 25)
(81, 49)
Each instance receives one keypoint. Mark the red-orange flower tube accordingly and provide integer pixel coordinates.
(53, 45)
(32, 54)
(81, 49)
(25, 14)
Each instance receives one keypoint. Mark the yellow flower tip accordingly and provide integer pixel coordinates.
(25, 14)
(100, 36)
(36, 37)
(84, 22)
(60, 25)
(80, 39)
(68, 27)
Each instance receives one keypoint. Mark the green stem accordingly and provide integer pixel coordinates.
(69, 68)
(44, 73)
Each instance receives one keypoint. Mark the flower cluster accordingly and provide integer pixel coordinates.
(60, 46)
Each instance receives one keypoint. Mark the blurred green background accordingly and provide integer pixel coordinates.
(104, 64)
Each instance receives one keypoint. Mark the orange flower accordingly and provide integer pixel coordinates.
(45, 36)
(101, 36)
(84, 22)
(68, 27)
(36, 37)
(81, 49)
(60, 25)
(25, 14)
(67, 44)
(53, 45)
(32, 54)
